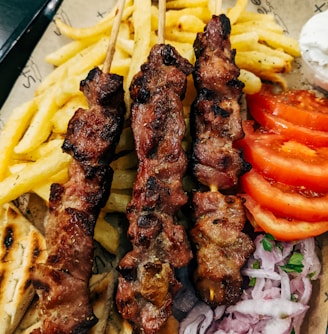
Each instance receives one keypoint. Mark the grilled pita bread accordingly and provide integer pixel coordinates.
(21, 247)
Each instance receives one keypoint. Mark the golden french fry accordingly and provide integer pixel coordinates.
(43, 189)
(175, 34)
(283, 42)
(259, 62)
(253, 16)
(104, 26)
(106, 234)
(185, 49)
(252, 82)
(13, 131)
(69, 88)
(34, 173)
(275, 77)
(244, 41)
(81, 62)
(257, 26)
(190, 23)
(64, 114)
(123, 179)
(69, 50)
(126, 45)
(40, 125)
(173, 16)
(215, 7)
(235, 12)
(117, 202)
(179, 4)
(121, 66)
(41, 151)
(127, 161)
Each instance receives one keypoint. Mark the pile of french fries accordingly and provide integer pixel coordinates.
(30, 142)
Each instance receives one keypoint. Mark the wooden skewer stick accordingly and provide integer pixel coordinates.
(113, 36)
(161, 21)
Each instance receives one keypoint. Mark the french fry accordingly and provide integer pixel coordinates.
(121, 66)
(252, 82)
(13, 131)
(106, 234)
(258, 26)
(42, 150)
(244, 41)
(67, 51)
(280, 41)
(259, 62)
(40, 125)
(215, 7)
(235, 12)
(43, 189)
(104, 26)
(175, 34)
(63, 115)
(117, 202)
(82, 62)
(127, 161)
(190, 23)
(179, 4)
(123, 179)
(173, 16)
(17, 184)
(253, 16)
(66, 89)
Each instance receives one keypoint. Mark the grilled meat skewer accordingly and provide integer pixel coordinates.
(62, 283)
(147, 282)
(220, 245)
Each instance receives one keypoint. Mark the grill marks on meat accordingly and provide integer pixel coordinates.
(62, 282)
(222, 249)
(215, 114)
(220, 245)
(147, 281)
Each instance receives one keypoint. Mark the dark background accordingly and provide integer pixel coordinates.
(22, 23)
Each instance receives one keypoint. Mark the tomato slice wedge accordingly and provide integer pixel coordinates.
(285, 161)
(284, 200)
(299, 107)
(281, 228)
(289, 130)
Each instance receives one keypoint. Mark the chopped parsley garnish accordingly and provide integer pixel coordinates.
(294, 264)
(267, 242)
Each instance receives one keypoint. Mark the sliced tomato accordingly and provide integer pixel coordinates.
(289, 130)
(284, 200)
(281, 228)
(299, 107)
(285, 161)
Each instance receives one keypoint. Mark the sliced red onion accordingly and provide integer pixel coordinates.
(285, 285)
(262, 273)
(281, 326)
(311, 261)
(198, 320)
(266, 307)
(277, 308)
(219, 311)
